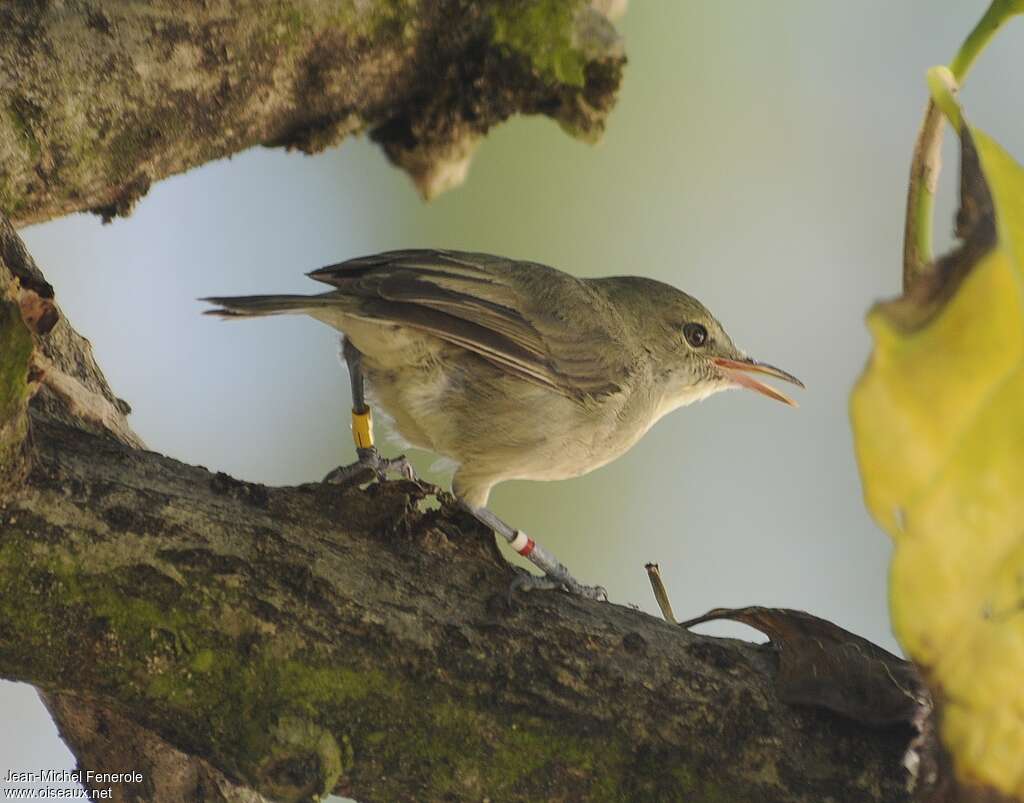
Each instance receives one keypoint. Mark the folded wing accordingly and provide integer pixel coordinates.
(513, 314)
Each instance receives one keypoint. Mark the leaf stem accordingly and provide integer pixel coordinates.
(927, 161)
(998, 13)
(944, 88)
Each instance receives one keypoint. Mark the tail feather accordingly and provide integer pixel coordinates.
(252, 306)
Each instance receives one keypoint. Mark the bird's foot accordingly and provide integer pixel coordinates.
(527, 581)
(555, 576)
(371, 461)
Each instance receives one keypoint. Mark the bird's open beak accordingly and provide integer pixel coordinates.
(739, 371)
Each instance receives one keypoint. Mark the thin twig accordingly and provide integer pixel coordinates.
(924, 179)
(660, 594)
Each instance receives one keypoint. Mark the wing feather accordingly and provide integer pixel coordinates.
(510, 313)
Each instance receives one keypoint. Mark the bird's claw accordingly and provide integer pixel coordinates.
(400, 465)
(598, 593)
(527, 581)
(370, 460)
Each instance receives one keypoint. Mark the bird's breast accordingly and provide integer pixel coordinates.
(499, 426)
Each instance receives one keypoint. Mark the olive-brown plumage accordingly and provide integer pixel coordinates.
(515, 370)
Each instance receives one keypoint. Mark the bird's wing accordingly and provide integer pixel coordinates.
(510, 313)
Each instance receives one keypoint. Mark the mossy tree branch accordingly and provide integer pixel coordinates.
(102, 99)
(296, 641)
(232, 641)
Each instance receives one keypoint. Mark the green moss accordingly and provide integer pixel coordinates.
(15, 350)
(285, 29)
(167, 653)
(542, 32)
(377, 20)
(287, 719)
(443, 740)
(297, 744)
(203, 661)
(12, 206)
(129, 149)
(293, 21)
(137, 139)
(321, 686)
(7, 199)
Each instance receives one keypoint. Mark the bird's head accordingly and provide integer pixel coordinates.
(694, 355)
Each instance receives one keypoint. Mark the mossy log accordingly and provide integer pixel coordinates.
(102, 99)
(226, 637)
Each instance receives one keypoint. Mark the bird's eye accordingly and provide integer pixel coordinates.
(695, 334)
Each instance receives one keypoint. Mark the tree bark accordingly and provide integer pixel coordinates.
(234, 642)
(104, 740)
(101, 99)
(231, 638)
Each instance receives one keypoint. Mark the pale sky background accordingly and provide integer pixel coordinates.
(757, 159)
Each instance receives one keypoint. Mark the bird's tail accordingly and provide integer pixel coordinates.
(252, 306)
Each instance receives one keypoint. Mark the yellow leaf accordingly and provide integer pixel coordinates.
(938, 417)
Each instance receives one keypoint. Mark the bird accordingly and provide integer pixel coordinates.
(512, 369)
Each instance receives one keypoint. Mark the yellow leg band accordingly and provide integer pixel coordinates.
(362, 429)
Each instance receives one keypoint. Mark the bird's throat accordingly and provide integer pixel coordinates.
(673, 398)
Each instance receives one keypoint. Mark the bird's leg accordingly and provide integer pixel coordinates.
(555, 573)
(362, 431)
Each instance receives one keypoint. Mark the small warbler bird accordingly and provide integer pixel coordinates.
(513, 370)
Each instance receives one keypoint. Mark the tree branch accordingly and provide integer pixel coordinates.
(102, 99)
(232, 641)
(105, 741)
(296, 641)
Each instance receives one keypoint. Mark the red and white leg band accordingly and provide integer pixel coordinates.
(522, 543)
